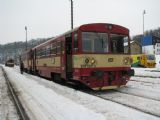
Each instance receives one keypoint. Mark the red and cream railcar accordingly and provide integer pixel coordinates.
(92, 54)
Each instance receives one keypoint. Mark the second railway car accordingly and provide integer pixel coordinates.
(10, 63)
(91, 54)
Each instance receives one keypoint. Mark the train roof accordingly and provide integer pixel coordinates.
(53, 38)
(81, 27)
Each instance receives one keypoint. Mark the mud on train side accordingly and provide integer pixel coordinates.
(91, 54)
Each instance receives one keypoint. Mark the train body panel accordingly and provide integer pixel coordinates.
(102, 77)
(48, 62)
(101, 60)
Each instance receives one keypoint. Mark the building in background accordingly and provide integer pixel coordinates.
(136, 47)
(150, 45)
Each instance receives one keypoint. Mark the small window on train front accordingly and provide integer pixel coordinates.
(118, 43)
(75, 42)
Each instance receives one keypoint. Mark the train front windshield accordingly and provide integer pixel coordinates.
(96, 42)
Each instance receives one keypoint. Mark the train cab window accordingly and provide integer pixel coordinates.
(118, 43)
(75, 42)
(94, 42)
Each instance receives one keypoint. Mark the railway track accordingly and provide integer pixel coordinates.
(114, 96)
(140, 93)
(19, 107)
(134, 94)
(145, 81)
(147, 76)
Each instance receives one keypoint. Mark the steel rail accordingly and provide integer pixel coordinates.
(129, 106)
(22, 114)
(145, 81)
(147, 76)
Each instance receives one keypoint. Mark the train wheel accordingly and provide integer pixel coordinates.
(56, 77)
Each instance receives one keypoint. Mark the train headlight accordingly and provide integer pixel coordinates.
(93, 61)
(87, 60)
(126, 60)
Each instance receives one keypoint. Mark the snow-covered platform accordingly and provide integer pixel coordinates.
(45, 100)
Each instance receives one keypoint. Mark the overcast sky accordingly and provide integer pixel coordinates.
(48, 18)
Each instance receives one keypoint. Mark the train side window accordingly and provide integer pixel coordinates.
(40, 52)
(48, 50)
(75, 42)
(62, 46)
(44, 52)
(58, 47)
(53, 49)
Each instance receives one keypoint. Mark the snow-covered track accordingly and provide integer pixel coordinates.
(139, 103)
(20, 109)
(140, 93)
(148, 76)
(145, 81)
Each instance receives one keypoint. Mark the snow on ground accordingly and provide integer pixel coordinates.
(111, 111)
(46, 104)
(146, 93)
(158, 62)
(140, 103)
(7, 108)
(148, 72)
(47, 100)
(146, 80)
(144, 86)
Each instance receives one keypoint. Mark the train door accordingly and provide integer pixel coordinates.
(34, 61)
(68, 50)
(31, 61)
